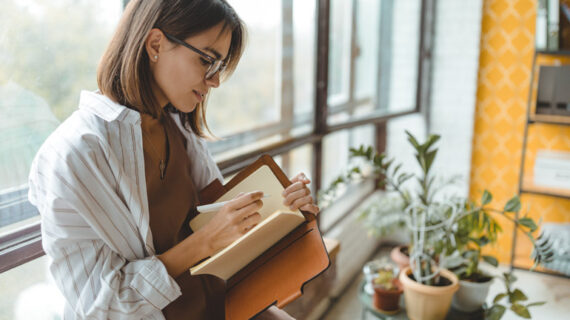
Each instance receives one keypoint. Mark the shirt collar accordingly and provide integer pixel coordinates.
(105, 108)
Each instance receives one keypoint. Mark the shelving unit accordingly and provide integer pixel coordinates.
(545, 122)
(526, 184)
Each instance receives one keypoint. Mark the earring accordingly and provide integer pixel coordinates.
(155, 57)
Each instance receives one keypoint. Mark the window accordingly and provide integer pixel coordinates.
(48, 52)
(290, 97)
(270, 96)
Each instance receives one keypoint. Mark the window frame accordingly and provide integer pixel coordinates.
(24, 244)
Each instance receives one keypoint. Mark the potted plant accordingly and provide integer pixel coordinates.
(387, 290)
(445, 232)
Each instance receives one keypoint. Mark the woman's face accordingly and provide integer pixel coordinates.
(179, 72)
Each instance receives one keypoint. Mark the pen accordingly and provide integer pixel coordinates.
(218, 205)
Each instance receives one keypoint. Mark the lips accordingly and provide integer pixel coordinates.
(199, 96)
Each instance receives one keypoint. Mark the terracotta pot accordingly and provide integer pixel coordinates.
(388, 300)
(471, 295)
(399, 258)
(428, 302)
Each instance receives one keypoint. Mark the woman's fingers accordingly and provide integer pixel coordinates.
(310, 208)
(241, 214)
(249, 222)
(299, 202)
(301, 177)
(244, 200)
(294, 187)
(295, 194)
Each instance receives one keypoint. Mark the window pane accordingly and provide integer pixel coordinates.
(339, 52)
(304, 16)
(336, 162)
(368, 26)
(28, 292)
(403, 66)
(249, 98)
(385, 65)
(49, 51)
(296, 161)
(270, 97)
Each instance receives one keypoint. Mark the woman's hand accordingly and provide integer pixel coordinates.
(298, 196)
(234, 219)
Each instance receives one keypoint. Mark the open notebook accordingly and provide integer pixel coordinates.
(277, 220)
(270, 264)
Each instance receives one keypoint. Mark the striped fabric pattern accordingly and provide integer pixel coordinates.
(88, 183)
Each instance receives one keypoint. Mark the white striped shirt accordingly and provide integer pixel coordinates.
(88, 183)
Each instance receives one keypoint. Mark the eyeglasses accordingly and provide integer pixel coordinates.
(216, 65)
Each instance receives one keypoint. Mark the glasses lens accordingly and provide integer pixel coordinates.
(214, 68)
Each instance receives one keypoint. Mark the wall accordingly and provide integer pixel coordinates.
(505, 63)
(454, 83)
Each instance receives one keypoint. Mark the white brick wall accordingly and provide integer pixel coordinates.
(454, 84)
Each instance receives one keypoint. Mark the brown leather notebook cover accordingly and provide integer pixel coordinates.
(278, 275)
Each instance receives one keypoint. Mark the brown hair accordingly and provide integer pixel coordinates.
(124, 71)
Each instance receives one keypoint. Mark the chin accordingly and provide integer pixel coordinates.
(185, 107)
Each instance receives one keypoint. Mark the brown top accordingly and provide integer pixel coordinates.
(172, 201)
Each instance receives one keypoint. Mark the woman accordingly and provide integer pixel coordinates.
(118, 181)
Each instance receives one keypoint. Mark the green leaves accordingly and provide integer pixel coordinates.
(495, 312)
(520, 310)
(491, 260)
(539, 303)
(517, 296)
(499, 297)
(429, 157)
(486, 198)
(513, 205)
(509, 279)
(543, 251)
(528, 222)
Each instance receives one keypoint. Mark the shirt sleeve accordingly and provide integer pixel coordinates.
(97, 258)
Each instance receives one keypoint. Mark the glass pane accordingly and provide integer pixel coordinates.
(296, 161)
(368, 27)
(28, 292)
(274, 82)
(336, 162)
(304, 37)
(339, 52)
(49, 51)
(248, 99)
(385, 59)
(403, 55)
(359, 111)
(397, 145)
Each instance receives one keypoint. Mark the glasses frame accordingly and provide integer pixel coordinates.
(216, 65)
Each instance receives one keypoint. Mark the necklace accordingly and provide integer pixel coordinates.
(163, 162)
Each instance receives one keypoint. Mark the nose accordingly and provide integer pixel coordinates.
(214, 81)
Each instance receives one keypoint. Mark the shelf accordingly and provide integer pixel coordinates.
(526, 263)
(529, 187)
(549, 118)
(554, 52)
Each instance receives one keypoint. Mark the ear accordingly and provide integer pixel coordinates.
(153, 44)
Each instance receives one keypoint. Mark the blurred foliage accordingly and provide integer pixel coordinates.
(49, 51)
(52, 48)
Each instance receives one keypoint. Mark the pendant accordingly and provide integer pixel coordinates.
(162, 168)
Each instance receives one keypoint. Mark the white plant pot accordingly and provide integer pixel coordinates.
(471, 295)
